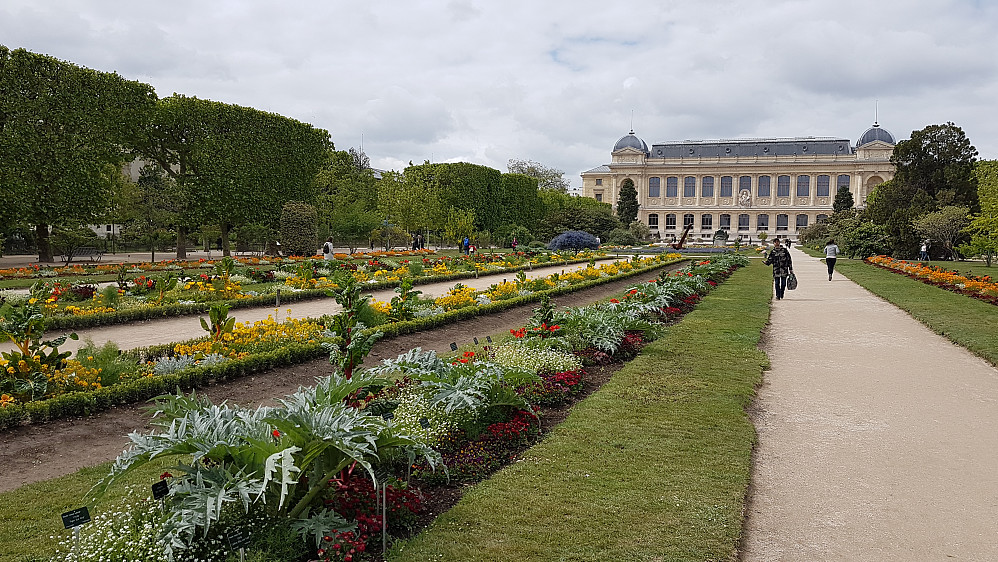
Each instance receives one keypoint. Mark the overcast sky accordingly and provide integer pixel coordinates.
(552, 81)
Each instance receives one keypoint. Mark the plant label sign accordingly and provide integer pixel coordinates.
(425, 423)
(75, 518)
(238, 538)
(488, 339)
(453, 346)
(160, 490)
(388, 416)
(476, 341)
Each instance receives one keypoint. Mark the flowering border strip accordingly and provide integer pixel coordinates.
(980, 288)
(79, 403)
(172, 310)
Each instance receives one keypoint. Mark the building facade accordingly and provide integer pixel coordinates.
(744, 186)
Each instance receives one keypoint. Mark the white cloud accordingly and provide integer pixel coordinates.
(554, 82)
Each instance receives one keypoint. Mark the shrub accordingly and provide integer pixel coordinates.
(298, 229)
(574, 240)
(621, 237)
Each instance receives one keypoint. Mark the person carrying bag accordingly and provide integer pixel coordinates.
(783, 269)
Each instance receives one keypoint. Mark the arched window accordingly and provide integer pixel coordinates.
(743, 222)
(801, 221)
(763, 188)
(745, 182)
(725, 222)
(783, 186)
(782, 223)
(654, 187)
(672, 187)
(653, 221)
(706, 222)
(670, 221)
(820, 218)
(803, 186)
(725, 186)
(687, 220)
(689, 186)
(823, 183)
(843, 181)
(707, 187)
(762, 222)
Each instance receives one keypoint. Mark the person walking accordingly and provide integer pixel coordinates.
(923, 252)
(831, 253)
(465, 244)
(783, 266)
(327, 249)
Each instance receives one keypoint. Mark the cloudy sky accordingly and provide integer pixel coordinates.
(552, 81)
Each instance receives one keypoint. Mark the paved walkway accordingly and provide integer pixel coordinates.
(181, 328)
(878, 439)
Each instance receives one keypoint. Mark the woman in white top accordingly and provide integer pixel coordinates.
(831, 252)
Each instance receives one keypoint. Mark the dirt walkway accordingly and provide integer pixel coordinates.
(39, 452)
(181, 328)
(878, 439)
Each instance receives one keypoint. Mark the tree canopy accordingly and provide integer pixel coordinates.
(547, 178)
(938, 160)
(62, 132)
(627, 202)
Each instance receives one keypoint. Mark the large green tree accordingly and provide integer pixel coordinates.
(562, 213)
(63, 129)
(235, 165)
(347, 197)
(547, 178)
(843, 199)
(938, 160)
(945, 225)
(627, 202)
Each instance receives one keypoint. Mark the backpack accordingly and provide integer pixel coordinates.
(325, 248)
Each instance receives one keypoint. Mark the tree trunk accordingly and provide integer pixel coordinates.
(225, 239)
(44, 243)
(181, 242)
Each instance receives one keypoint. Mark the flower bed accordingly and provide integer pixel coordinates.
(302, 468)
(982, 288)
(68, 305)
(246, 349)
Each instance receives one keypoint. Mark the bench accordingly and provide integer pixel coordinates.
(90, 253)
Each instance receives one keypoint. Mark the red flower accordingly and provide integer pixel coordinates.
(165, 475)
(276, 434)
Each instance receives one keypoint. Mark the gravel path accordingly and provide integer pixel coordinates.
(878, 439)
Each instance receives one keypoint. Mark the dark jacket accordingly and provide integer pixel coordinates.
(779, 258)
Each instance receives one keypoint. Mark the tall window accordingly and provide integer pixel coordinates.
(745, 182)
(823, 183)
(783, 186)
(803, 186)
(689, 186)
(843, 181)
(801, 221)
(743, 222)
(782, 222)
(725, 222)
(653, 221)
(706, 222)
(725, 186)
(707, 187)
(672, 187)
(762, 222)
(763, 187)
(670, 221)
(687, 220)
(654, 187)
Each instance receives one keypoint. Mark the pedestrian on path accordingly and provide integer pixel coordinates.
(783, 266)
(327, 249)
(923, 252)
(831, 252)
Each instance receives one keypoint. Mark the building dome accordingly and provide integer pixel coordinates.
(631, 141)
(876, 133)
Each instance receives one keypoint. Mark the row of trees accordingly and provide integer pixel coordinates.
(940, 193)
(66, 132)
(211, 169)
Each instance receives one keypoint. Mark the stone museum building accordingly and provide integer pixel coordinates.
(744, 186)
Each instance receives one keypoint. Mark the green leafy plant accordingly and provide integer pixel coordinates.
(221, 322)
(34, 360)
(404, 305)
(350, 343)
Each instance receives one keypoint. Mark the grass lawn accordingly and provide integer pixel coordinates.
(654, 466)
(964, 320)
(30, 515)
